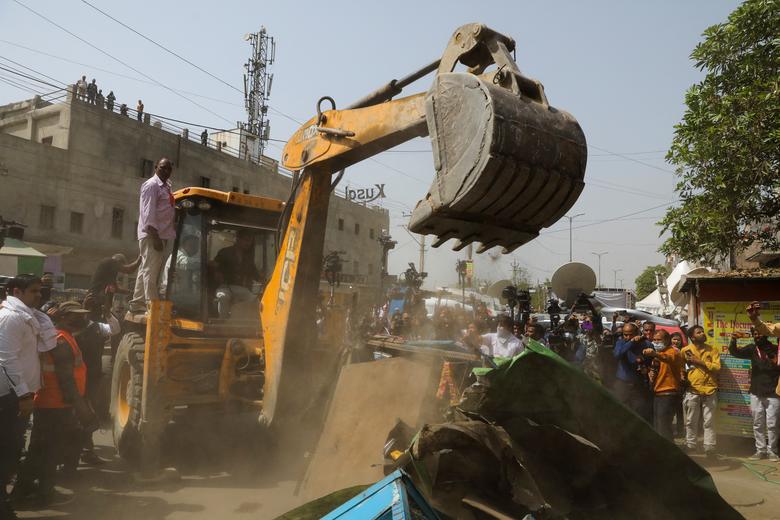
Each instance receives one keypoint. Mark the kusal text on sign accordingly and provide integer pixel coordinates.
(366, 194)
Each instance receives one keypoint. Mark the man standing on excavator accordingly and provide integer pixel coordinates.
(156, 231)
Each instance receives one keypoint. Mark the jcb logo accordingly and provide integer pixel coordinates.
(289, 257)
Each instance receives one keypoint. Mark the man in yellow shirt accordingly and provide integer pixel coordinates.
(702, 363)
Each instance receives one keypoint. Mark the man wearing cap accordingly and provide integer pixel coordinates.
(61, 411)
(104, 284)
(156, 232)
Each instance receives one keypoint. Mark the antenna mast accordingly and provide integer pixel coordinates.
(257, 86)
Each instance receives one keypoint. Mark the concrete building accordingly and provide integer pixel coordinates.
(71, 172)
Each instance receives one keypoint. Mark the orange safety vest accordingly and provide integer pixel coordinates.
(50, 395)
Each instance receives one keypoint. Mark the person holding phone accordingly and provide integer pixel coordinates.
(702, 363)
(762, 328)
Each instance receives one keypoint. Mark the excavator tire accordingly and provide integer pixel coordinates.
(126, 391)
(506, 165)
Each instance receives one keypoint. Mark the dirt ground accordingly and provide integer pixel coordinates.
(255, 491)
(752, 488)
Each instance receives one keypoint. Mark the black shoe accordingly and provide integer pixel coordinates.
(7, 511)
(91, 458)
(54, 499)
(690, 450)
(710, 454)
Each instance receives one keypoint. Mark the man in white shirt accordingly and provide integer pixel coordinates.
(502, 343)
(24, 333)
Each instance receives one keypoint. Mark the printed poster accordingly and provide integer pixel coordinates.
(720, 320)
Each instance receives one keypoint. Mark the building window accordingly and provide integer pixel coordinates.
(47, 140)
(355, 267)
(117, 222)
(357, 228)
(76, 222)
(147, 168)
(205, 182)
(246, 192)
(341, 224)
(47, 217)
(235, 189)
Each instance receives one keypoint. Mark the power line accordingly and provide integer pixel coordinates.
(163, 47)
(114, 73)
(166, 49)
(32, 70)
(118, 60)
(612, 219)
(629, 158)
(23, 75)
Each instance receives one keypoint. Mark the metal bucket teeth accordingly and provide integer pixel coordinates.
(506, 166)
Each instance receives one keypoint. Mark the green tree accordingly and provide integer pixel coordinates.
(645, 282)
(726, 149)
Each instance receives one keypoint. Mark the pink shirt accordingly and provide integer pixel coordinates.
(156, 209)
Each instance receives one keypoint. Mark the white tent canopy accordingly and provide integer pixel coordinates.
(654, 303)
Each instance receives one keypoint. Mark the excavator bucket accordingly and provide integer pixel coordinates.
(507, 164)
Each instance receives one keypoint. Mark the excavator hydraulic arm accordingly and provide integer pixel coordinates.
(507, 165)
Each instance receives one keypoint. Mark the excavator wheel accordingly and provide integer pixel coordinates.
(126, 391)
(507, 164)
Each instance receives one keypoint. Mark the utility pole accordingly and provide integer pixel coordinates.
(422, 253)
(598, 280)
(515, 269)
(420, 242)
(571, 218)
(616, 271)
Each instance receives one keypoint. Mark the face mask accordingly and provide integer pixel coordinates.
(502, 332)
(658, 346)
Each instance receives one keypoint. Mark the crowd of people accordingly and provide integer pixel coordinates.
(669, 379)
(50, 372)
(89, 92)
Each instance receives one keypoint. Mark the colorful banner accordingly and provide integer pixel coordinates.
(720, 320)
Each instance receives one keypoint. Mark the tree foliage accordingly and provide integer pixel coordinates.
(727, 145)
(645, 282)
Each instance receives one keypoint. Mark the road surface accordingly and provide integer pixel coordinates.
(207, 489)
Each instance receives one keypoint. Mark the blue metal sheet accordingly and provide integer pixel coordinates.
(387, 499)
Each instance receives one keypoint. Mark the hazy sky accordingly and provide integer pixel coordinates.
(621, 68)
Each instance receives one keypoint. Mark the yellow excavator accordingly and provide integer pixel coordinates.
(507, 165)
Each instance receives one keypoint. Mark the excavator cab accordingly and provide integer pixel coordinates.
(199, 348)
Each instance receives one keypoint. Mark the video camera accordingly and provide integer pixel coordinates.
(519, 298)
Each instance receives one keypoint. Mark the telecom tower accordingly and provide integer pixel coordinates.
(257, 87)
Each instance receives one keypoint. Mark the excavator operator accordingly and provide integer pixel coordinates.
(236, 271)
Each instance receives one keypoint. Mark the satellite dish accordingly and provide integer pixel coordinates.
(571, 279)
(495, 290)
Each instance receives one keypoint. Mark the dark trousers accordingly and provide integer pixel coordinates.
(12, 428)
(636, 397)
(55, 433)
(664, 408)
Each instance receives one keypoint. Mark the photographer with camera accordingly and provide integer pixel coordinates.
(631, 384)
